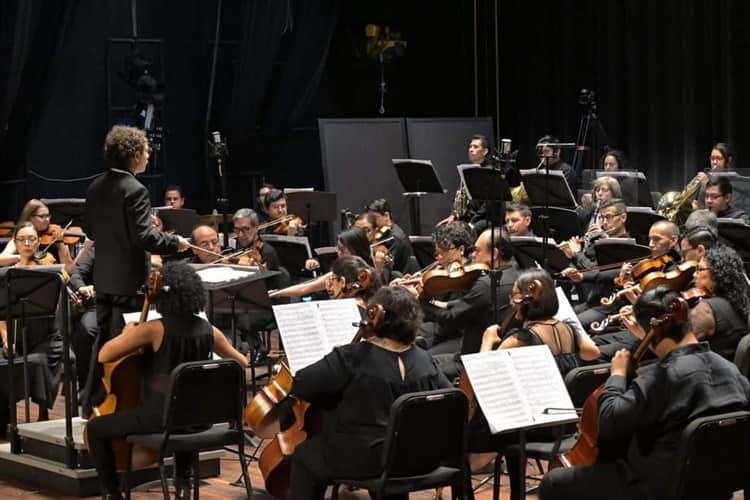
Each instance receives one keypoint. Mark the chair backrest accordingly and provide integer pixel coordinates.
(202, 393)
(713, 457)
(427, 429)
(582, 381)
(742, 356)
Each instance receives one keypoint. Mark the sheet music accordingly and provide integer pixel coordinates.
(221, 274)
(515, 386)
(310, 330)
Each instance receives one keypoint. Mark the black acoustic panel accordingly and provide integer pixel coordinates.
(357, 165)
(445, 142)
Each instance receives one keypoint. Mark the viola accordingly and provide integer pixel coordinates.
(587, 451)
(520, 306)
(677, 279)
(122, 381)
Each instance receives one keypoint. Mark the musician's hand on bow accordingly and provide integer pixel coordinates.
(490, 338)
(312, 264)
(182, 244)
(447, 220)
(620, 363)
(572, 274)
(628, 321)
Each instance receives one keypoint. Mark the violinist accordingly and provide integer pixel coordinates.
(696, 241)
(569, 347)
(173, 196)
(245, 223)
(471, 313)
(38, 214)
(401, 247)
(722, 318)
(651, 411)
(357, 384)
(275, 203)
(261, 200)
(207, 239)
(344, 280)
(179, 336)
(381, 253)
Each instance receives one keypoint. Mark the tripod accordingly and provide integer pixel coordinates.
(587, 98)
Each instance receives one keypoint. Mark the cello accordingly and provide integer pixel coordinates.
(122, 380)
(586, 450)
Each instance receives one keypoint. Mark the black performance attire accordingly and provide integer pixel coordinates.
(733, 213)
(355, 386)
(729, 328)
(400, 249)
(651, 412)
(85, 326)
(568, 171)
(186, 338)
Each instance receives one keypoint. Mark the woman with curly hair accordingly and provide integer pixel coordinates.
(179, 336)
(722, 319)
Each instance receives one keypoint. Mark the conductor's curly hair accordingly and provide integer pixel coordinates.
(121, 145)
(182, 290)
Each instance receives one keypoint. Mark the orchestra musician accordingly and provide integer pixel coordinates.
(209, 245)
(261, 200)
(721, 160)
(245, 222)
(651, 411)
(344, 280)
(550, 156)
(275, 203)
(118, 212)
(85, 326)
(613, 160)
(357, 384)
(605, 188)
(38, 214)
(718, 199)
(401, 247)
(696, 241)
(381, 254)
(179, 336)
(518, 220)
(569, 346)
(174, 197)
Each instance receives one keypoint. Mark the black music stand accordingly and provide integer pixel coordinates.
(326, 256)
(553, 189)
(639, 222)
(293, 252)
(313, 206)
(563, 222)
(36, 294)
(424, 249)
(179, 220)
(418, 178)
(736, 234)
(64, 210)
(528, 252)
(635, 190)
(611, 250)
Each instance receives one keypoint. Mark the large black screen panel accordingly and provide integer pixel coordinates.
(444, 141)
(357, 166)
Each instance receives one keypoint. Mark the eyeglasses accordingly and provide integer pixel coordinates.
(602, 188)
(29, 240)
(242, 229)
(702, 268)
(441, 250)
(208, 244)
(712, 196)
(607, 217)
(42, 216)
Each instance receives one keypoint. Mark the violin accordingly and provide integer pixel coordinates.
(250, 256)
(586, 451)
(291, 222)
(520, 305)
(440, 281)
(6, 228)
(382, 252)
(122, 381)
(70, 235)
(677, 279)
(382, 233)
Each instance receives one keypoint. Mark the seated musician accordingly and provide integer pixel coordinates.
(702, 217)
(721, 319)
(696, 241)
(37, 213)
(383, 260)
(518, 220)
(721, 160)
(173, 197)
(208, 240)
(344, 281)
(44, 342)
(275, 203)
(245, 221)
(472, 313)
(549, 155)
(569, 348)
(358, 384)
(605, 188)
(652, 410)
(718, 199)
(401, 248)
(261, 200)
(613, 160)
(178, 337)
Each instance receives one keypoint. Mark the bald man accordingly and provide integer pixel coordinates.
(207, 239)
(663, 237)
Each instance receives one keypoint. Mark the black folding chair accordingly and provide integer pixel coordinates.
(713, 458)
(425, 446)
(742, 356)
(201, 395)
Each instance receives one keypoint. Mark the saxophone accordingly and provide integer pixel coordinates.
(460, 201)
(675, 206)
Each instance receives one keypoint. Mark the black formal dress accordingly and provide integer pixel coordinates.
(651, 413)
(729, 328)
(355, 386)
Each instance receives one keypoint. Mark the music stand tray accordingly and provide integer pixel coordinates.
(418, 177)
(528, 252)
(180, 220)
(293, 252)
(554, 189)
(484, 184)
(63, 210)
(639, 222)
(611, 250)
(313, 206)
(326, 256)
(563, 222)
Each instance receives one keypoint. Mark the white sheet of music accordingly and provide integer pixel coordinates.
(310, 330)
(514, 387)
(565, 312)
(221, 274)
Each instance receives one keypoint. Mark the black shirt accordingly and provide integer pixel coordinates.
(733, 213)
(688, 383)
(400, 248)
(356, 385)
(729, 328)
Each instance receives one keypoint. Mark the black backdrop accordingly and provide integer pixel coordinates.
(670, 77)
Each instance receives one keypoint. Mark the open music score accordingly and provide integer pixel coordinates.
(224, 274)
(519, 388)
(310, 330)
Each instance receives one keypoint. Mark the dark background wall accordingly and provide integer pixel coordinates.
(669, 77)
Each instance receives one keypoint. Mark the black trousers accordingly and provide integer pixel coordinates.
(85, 332)
(613, 481)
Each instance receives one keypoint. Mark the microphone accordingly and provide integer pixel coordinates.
(217, 137)
(505, 147)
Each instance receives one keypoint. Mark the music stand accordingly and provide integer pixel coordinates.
(539, 187)
(63, 210)
(639, 222)
(180, 220)
(313, 207)
(293, 252)
(611, 250)
(213, 220)
(326, 256)
(736, 234)
(528, 252)
(563, 223)
(35, 294)
(418, 178)
(635, 190)
(424, 249)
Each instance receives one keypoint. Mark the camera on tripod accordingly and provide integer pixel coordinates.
(587, 97)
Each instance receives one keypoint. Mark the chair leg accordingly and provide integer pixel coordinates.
(163, 478)
(126, 475)
(196, 475)
(497, 471)
(243, 464)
